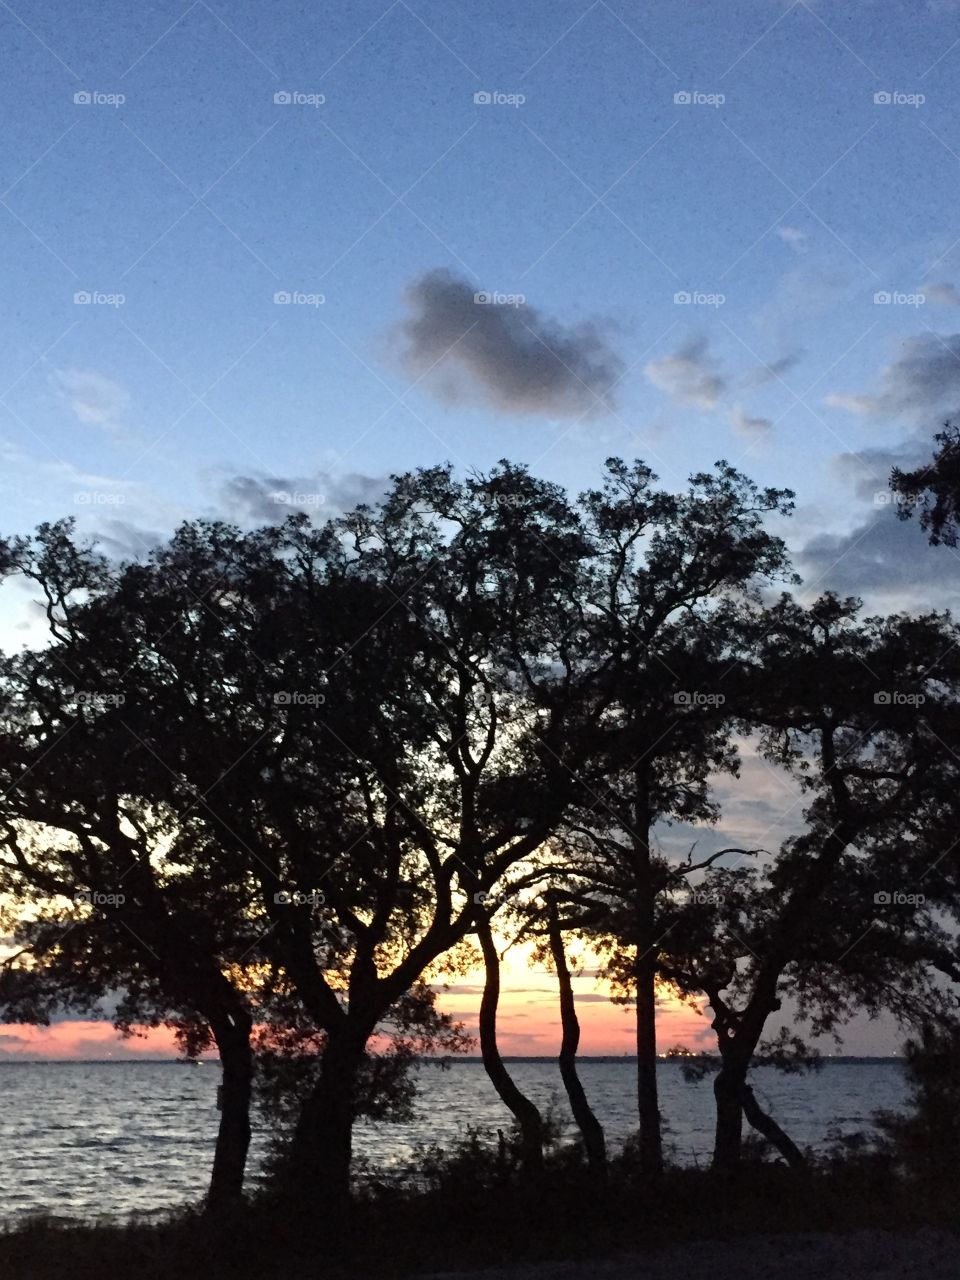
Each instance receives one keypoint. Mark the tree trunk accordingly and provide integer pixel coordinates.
(645, 975)
(321, 1154)
(525, 1113)
(728, 1091)
(740, 1035)
(590, 1128)
(766, 1125)
(232, 1034)
(648, 1101)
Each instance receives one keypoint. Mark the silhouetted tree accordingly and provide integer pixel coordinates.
(856, 710)
(83, 850)
(664, 594)
(358, 727)
(934, 489)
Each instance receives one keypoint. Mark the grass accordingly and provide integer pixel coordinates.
(470, 1214)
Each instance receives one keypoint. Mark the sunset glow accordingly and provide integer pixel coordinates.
(528, 1023)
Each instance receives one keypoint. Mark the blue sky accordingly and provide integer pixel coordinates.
(598, 198)
(778, 164)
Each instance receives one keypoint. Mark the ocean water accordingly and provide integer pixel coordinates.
(107, 1139)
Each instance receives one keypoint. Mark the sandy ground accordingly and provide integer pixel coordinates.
(863, 1255)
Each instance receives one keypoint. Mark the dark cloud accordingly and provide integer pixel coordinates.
(887, 560)
(127, 541)
(689, 375)
(505, 354)
(271, 498)
(883, 557)
(925, 377)
(868, 471)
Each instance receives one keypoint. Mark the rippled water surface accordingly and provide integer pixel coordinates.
(87, 1139)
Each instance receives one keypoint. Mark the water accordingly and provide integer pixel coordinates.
(93, 1139)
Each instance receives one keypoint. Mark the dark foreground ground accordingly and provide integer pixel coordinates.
(770, 1223)
(928, 1254)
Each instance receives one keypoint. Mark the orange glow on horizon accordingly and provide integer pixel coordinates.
(528, 1022)
(81, 1040)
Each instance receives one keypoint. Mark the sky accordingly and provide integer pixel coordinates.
(260, 257)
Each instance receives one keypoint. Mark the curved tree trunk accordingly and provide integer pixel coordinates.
(735, 1100)
(232, 1034)
(590, 1127)
(321, 1153)
(766, 1125)
(525, 1113)
(741, 1033)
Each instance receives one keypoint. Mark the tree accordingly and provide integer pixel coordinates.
(108, 907)
(526, 1114)
(926, 1140)
(386, 694)
(858, 711)
(933, 490)
(664, 594)
(590, 1128)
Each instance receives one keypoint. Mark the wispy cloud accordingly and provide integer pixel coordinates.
(944, 293)
(753, 428)
(794, 238)
(689, 375)
(94, 398)
(772, 371)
